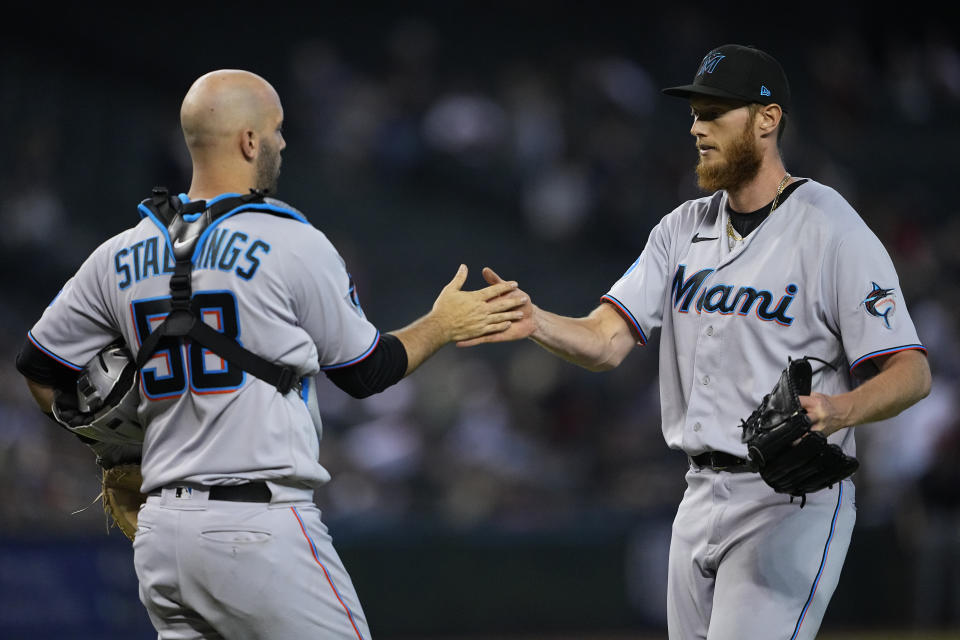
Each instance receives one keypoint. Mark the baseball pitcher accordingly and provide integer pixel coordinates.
(783, 325)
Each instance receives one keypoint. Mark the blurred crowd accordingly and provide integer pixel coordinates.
(550, 163)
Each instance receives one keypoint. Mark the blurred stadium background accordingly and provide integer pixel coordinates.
(498, 492)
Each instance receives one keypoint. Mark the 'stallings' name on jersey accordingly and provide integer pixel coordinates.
(729, 299)
(223, 249)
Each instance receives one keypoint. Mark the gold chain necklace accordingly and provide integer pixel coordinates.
(780, 188)
(732, 233)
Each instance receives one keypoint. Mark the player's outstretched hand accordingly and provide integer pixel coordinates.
(519, 328)
(465, 315)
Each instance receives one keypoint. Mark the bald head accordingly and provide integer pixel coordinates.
(222, 104)
(231, 123)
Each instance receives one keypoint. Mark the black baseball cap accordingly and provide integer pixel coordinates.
(739, 73)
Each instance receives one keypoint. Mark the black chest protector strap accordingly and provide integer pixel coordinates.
(184, 321)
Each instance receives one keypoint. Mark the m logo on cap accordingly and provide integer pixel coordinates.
(710, 63)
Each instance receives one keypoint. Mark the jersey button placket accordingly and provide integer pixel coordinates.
(707, 358)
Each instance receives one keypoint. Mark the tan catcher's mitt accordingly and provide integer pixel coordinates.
(122, 497)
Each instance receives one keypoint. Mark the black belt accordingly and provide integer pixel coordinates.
(720, 461)
(249, 492)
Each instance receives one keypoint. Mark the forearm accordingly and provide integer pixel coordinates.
(421, 339)
(42, 395)
(588, 342)
(903, 382)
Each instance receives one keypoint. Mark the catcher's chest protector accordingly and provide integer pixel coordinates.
(187, 225)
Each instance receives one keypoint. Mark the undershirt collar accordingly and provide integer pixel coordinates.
(745, 223)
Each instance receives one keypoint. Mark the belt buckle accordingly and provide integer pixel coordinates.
(714, 464)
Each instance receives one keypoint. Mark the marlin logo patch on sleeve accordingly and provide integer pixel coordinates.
(879, 303)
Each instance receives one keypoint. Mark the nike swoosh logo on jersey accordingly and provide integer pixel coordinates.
(180, 243)
(698, 238)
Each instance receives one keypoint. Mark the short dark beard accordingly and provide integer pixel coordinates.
(741, 164)
(268, 169)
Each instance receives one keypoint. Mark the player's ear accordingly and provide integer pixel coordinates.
(768, 119)
(249, 144)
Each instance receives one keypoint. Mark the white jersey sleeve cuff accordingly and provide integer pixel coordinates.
(886, 352)
(629, 317)
(46, 351)
(352, 361)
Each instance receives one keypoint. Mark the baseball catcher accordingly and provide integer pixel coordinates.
(789, 456)
(103, 414)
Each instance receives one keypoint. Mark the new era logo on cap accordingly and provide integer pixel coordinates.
(735, 72)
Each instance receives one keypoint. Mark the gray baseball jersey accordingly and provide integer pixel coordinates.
(275, 284)
(810, 280)
(213, 567)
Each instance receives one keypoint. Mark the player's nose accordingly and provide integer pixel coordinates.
(697, 128)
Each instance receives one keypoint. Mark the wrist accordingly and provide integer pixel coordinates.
(838, 414)
(537, 319)
(436, 329)
(847, 409)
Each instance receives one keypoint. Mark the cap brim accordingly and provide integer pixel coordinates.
(689, 90)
